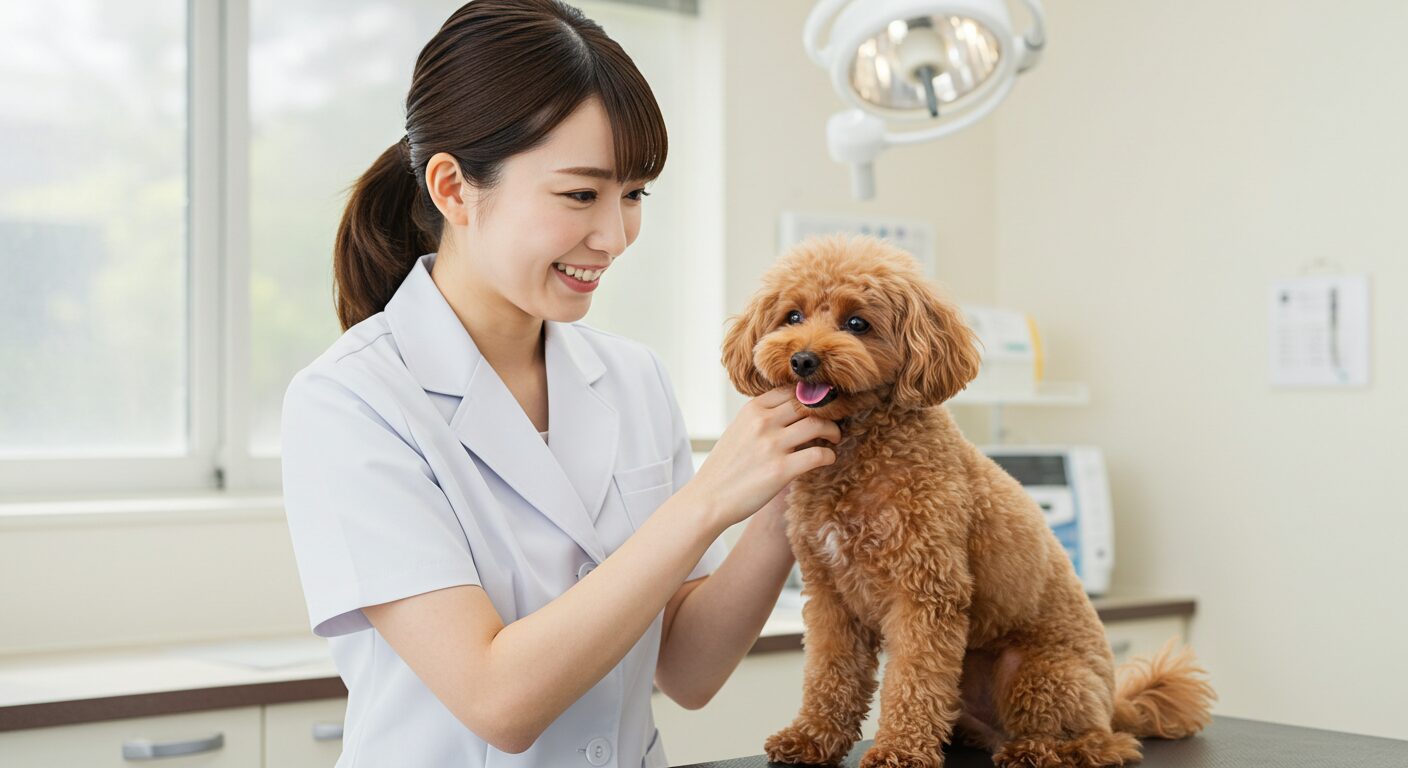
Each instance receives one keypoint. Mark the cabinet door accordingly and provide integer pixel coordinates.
(761, 697)
(763, 694)
(216, 739)
(1143, 637)
(304, 734)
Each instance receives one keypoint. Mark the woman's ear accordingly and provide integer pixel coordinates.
(940, 352)
(740, 341)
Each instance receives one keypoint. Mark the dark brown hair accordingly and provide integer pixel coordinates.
(493, 82)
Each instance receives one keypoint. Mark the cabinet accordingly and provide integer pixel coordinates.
(1143, 637)
(765, 692)
(761, 696)
(215, 739)
(304, 734)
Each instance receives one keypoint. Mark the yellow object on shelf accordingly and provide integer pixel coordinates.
(1036, 347)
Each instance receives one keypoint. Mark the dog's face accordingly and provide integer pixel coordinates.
(851, 324)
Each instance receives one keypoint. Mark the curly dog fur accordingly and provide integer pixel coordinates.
(916, 541)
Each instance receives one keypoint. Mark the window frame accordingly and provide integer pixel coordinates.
(218, 345)
(217, 276)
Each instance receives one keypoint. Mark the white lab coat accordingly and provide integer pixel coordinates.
(408, 466)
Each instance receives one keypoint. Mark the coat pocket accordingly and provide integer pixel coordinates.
(643, 489)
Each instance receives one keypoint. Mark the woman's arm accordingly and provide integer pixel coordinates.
(508, 683)
(718, 621)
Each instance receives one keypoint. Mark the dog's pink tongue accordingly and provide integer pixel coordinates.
(810, 393)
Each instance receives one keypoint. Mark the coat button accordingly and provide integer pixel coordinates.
(586, 568)
(598, 751)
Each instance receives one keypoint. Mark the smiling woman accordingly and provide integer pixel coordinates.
(447, 536)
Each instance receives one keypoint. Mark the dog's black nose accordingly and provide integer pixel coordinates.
(804, 363)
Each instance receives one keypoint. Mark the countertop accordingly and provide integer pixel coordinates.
(62, 688)
(1229, 742)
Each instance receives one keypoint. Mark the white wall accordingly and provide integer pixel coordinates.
(1161, 166)
(146, 572)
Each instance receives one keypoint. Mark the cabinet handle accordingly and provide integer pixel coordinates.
(146, 749)
(327, 731)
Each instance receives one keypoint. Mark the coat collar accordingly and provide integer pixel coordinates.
(566, 478)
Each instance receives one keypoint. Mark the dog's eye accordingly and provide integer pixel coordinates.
(857, 325)
(794, 317)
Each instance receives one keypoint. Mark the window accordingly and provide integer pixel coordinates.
(175, 174)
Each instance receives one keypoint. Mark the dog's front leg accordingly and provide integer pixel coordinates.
(839, 679)
(920, 699)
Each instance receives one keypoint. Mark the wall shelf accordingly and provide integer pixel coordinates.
(1048, 393)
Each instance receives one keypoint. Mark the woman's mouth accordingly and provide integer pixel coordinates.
(578, 279)
(815, 394)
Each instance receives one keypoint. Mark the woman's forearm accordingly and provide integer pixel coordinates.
(717, 623)
(551, 657)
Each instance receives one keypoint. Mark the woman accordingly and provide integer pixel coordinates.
(494, 510)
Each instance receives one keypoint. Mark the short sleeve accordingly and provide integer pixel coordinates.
(684, 470)
(368, 520)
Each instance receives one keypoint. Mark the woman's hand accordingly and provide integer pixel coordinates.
(756, 456)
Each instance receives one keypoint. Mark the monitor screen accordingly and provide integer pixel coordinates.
(1038, 469)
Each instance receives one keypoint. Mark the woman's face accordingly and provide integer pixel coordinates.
(543, 216)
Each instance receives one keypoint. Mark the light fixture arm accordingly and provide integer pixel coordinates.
(1035, 40)
(820, 16)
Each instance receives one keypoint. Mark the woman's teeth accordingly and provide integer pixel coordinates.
(585, 275)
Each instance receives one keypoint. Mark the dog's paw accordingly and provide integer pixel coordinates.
(1027, 753)
(887, 756)
(1095, 749)
(800, 742)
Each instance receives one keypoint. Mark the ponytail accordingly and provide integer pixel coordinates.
(379, 238)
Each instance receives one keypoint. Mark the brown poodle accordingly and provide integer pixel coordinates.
(915, 540)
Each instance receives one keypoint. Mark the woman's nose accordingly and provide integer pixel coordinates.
(609, 234)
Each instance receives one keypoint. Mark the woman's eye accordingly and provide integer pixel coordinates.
(794, 317)
(857, 325)
(643, 194)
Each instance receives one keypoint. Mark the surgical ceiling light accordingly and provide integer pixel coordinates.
(943, 64)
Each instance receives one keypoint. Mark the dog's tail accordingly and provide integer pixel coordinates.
(1167, 696)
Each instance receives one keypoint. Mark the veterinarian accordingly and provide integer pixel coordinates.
(494, 511)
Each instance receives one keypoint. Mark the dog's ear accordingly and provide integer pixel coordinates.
(742, 337)
(941, 357)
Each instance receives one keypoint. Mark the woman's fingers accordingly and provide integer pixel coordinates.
(810, 428)
(808, 459)
(788, 411)
(774, 397)
(780, 407)
(772, 423)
